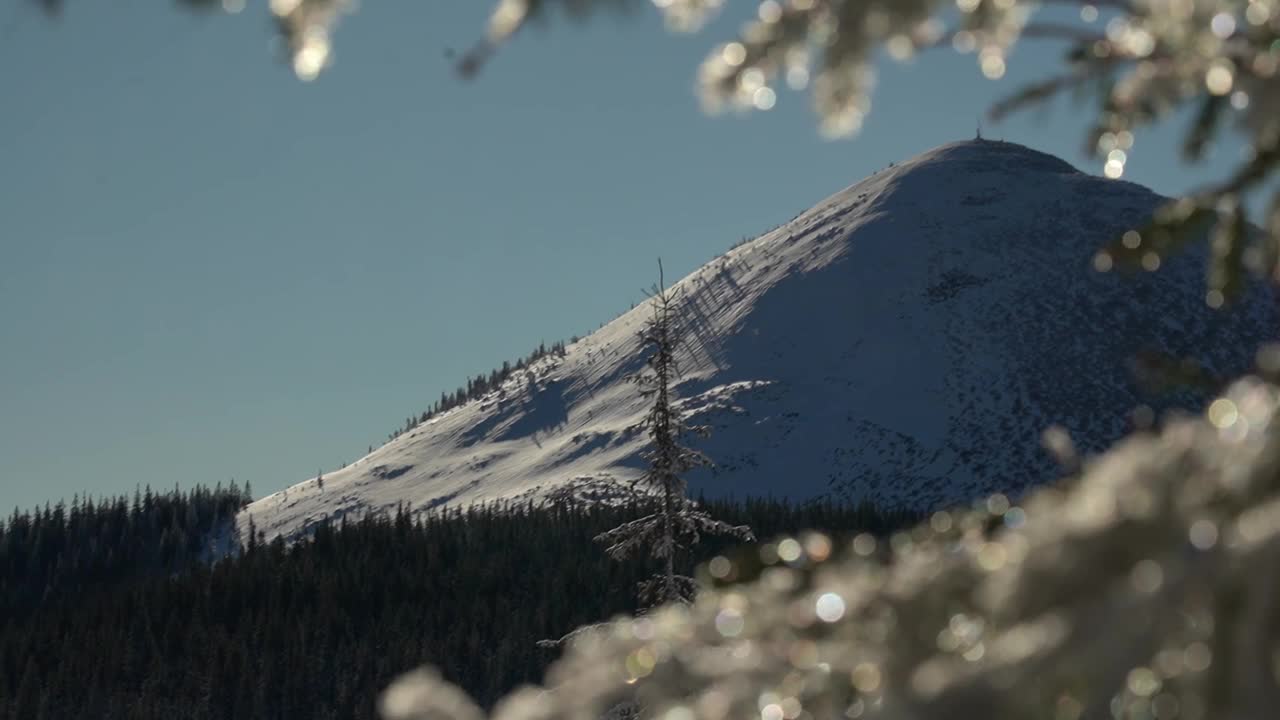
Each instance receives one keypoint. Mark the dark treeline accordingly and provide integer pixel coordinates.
(52, 554)
(317, 629)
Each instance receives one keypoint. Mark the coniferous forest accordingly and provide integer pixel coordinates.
(132, 608)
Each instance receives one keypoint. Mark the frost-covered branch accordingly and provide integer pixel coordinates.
(632, 537)
(572, 636)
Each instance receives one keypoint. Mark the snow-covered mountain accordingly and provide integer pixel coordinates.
(906, 340)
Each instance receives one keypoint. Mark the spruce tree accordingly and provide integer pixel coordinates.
(677, 521)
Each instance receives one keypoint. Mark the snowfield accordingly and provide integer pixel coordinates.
(906, 341)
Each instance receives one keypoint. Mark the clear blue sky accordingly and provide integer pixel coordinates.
(209, 270)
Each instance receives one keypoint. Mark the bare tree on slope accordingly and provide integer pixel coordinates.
(676, 521)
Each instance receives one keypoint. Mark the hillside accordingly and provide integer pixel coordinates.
(905, 341)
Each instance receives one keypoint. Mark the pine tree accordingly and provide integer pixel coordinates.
(677, 521)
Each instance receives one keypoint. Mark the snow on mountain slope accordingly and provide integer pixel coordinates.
(906, 341)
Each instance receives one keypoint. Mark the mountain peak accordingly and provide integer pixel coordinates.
(968, 169)
(987, 150)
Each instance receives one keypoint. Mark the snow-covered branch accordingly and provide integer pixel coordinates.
(631, 537)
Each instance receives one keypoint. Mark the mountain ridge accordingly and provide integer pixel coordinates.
(895, 343)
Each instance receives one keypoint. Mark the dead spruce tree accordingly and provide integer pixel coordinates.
(676, 521)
